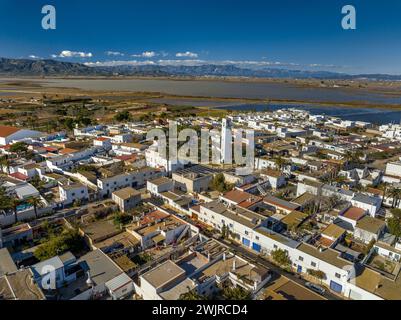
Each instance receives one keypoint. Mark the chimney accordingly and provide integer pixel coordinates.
(234, 265)
(208, 256)
(89, 281)
(224, 256)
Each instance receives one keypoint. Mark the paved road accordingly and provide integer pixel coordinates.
(239, 250)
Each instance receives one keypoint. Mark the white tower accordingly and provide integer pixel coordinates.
(226, 142)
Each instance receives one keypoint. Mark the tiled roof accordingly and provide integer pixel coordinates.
(6, 131)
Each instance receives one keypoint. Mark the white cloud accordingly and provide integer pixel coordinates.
(72, 54)
(114, 53)
(32, 56)
(187, 54)
(145, 54)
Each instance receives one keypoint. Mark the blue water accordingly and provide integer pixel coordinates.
(373, 115)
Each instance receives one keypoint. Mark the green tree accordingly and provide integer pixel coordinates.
(236, 293)
(394, 223)
(395, 193)
(121, 218)
(35, 202)
(19, 148)
(5, 162)
(281, 257)
(280, 163)
(318, 274)
(122, 116)
(68, 240)
(13, 204)
(191, 295)
(219, 184)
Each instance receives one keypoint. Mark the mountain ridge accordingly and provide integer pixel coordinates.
(49, 67)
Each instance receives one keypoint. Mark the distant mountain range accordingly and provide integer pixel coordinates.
(27, 67)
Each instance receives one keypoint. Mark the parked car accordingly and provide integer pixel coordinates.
(316, 288)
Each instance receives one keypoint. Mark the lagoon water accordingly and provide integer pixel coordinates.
(250, 90)
(227, 89)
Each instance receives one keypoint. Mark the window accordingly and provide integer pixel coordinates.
(301, 258)
(231, 225)
(313, 264)
(246, 232)
(275, 246)
(338, 275)
(257, 238)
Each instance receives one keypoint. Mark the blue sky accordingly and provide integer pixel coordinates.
(286, 33)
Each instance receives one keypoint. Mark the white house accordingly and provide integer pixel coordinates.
(70, 193)
(9, 134)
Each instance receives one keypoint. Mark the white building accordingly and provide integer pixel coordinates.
(226, 141)
(73, 192)
(393, 169)
(10, 134)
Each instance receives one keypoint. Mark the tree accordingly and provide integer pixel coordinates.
(5, 162)
(281, 257)
(121, 218)
(236, 293)
(191, 295)
(394, 223)
(280, 163)
(123, 116)
(318, 274)
(219, 183)
(395, 193)
(68, 240)
(13, 204)
(35, 202)
(19, 148)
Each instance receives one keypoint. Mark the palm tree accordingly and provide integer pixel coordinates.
(4, 162)
(395, 193)
(280, 162)
(13, 204)
(385, 186)
(35, 202)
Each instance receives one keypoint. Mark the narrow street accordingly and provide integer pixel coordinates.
(254, 258)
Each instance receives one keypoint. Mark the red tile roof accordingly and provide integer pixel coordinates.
(237, 196)
(354, 213)
(153, 216)
(102, 139)
(19, 176)
(6, 131)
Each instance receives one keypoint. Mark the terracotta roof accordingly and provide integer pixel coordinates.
(250, 201)
(19, 176)
(102, 139)
(237, 196)
(6, 131)
(153, 216)
(354, 213)
(67, 150)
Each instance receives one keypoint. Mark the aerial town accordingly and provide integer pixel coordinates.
(98, 212)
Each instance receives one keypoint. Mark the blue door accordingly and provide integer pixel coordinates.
(336, 287)
(256, 247)
(299, 270)
(246, 242)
